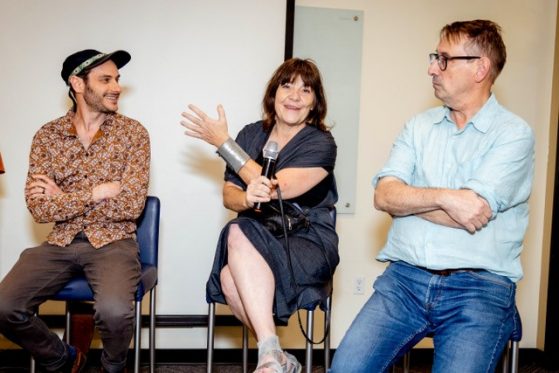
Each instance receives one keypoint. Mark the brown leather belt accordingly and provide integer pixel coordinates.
(448, 272)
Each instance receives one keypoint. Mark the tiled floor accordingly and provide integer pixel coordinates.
(16, 362)
(224, 368)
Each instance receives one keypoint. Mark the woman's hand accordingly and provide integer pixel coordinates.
(199, 125)
(260, 190)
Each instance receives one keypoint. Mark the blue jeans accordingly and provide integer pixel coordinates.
(468, 313)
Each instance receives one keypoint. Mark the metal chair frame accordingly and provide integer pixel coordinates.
(509, 359)
(308, 346)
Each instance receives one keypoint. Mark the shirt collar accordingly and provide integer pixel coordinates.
(481, 121)
(69, 129)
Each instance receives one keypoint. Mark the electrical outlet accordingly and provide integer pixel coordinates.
(359, 285)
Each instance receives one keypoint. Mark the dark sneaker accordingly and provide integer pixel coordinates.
(77, 364)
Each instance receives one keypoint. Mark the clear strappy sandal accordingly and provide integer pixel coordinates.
(270, 356)
(291, 364)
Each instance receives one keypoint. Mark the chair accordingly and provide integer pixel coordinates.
(509, 359)
(325, 305)
(77, 289)
(512, 349)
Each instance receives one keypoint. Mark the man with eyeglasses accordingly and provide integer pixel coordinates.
(457, 185)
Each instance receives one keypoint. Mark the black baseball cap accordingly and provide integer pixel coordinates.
(87, 59)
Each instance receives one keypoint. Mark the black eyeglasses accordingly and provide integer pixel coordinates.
(443, 60)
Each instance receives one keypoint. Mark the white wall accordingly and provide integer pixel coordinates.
(222, 51)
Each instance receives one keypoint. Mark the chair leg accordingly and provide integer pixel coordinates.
(32, 366)
(327, 320)
(245, 349)
(68, 324)
(505, 359)
(210, 343)
(308, 353)
(407, 360)
(152, 331)
(138, 336)
(515, 356)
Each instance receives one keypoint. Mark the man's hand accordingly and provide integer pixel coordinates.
(42, 186)
(461, 208)
(466, 208)
(105, 191)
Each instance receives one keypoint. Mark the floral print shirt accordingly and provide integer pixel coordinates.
(120, 151)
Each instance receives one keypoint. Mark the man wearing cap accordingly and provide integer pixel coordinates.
(88, 174)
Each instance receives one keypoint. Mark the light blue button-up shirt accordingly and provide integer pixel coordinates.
(494, 156)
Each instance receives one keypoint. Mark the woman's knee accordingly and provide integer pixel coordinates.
(236, 238)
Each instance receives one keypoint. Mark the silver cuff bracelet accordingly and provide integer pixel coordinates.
(233, 154)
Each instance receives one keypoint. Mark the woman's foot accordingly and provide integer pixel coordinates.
(270, 356)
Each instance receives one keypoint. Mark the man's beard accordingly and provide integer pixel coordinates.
(95, 101)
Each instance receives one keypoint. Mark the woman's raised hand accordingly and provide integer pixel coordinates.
(198, 124)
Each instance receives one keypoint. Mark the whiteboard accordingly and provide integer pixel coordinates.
(333, 39)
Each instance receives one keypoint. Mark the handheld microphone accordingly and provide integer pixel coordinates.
(270, 153)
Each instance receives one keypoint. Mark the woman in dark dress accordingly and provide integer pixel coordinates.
(253, 272)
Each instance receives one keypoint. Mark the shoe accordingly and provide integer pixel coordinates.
(269, 355)
(291, 364)
(76, 365)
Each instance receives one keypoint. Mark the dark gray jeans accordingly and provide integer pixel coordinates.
(113, 272)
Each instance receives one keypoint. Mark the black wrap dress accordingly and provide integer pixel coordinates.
(313, 251)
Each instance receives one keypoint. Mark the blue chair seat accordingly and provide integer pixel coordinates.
(78, 289)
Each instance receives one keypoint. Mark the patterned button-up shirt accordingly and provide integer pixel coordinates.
(120, 151)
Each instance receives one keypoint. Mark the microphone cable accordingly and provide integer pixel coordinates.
(327, 321)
